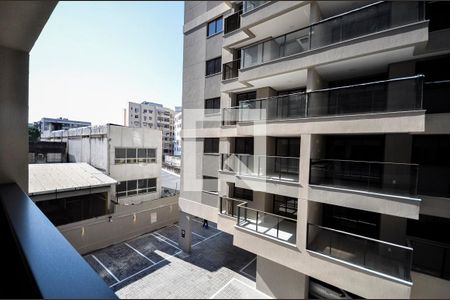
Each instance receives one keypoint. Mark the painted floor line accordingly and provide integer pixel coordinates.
(221, 289)
(107, 270)
(138, 252)
(167, 239)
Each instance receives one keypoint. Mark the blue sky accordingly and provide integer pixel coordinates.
(93, 57)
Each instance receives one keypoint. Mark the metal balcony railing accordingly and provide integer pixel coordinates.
(230, 69)
(431, 257)
(359, 22)
(270, 167)
(382, 257)
(392, 95)
(377, 177)
(233, 22)
(275, 226)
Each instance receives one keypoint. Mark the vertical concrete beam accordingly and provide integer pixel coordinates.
(14, 117)
(280, 282)
(315, 15)
(185, 231)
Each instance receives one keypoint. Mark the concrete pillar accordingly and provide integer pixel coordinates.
(278, 281)
(14, 117)
(315, 14)
(393, 229)
(185, 231)
(316, 105)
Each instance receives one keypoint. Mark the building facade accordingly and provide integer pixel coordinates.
(317, 133)
(132, 156)
(51, 124)
(155, 116)
(178, 121)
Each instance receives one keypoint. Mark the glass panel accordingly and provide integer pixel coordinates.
(211, 28)
(252, 55)
(119, 155)
(131, 155)
(219, 25)
(389, 259)
(151, 182)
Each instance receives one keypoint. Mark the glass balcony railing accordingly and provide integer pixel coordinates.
(270, 167)
(233, 22)
(229, 206)
(431, 257)
(377, 177)
(355, 23)
(275, 226)
(379, 256)
(230, 69)
(393, 95)
(251, 5)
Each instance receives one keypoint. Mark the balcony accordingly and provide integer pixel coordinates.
(435, 97)
(274, 226)
(230, 69)
(375, 177)
(252, 5)
(363, 21)
(233, 22)
(431, 257)
(45, 264)
(268, 167)
(387, 259)
(393, 95)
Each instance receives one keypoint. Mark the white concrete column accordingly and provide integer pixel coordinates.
(185, 231)
(278, 281)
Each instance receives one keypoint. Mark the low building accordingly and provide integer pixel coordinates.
(51, 124)
(70, 192)
(47, 152)
(156, 116)
(132, 156)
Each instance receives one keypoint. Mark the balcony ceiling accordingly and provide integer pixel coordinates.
(21, 22)
(364, 66)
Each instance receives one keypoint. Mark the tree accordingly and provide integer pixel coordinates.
(33, 133)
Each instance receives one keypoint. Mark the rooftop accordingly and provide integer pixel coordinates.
(61, 177)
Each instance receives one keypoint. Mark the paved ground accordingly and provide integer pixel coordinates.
(152, 266)
(170, 180)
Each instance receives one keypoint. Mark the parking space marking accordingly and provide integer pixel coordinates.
(141, 254)
(143, 270)
(243, 268)
(162, 238)
(201, 236)
(107, 270)
(214, 235)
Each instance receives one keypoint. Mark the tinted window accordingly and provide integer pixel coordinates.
(212, 105)
(211, 145)
(213, 66)
(215, 26)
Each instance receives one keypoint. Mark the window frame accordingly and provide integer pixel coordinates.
(215, 23)
(216, 68)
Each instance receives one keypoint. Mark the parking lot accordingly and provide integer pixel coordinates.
(153, 266)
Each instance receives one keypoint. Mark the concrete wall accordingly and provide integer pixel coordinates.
(429, 287)
(14, 117)
(280, 282)
(126, 223)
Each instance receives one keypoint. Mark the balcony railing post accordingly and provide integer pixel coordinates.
(238, 215)
(257, 221)
(278, 227)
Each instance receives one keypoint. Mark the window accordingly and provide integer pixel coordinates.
(145, 111)
(212, 106)
(211, 145)
(241, 193)
(133, 155)
(136, 187)
(210, 184)
(136, 110)
(136, 116)
(243, 145)
(213, 66)
(215, 26)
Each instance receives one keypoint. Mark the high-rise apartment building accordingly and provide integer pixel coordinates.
(156, 116)
(317, 134)
(177, 124)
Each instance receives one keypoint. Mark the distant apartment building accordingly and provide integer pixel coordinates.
(178, 121)
(132, 156)
(155, 116)
(317, 134)
(51, 124)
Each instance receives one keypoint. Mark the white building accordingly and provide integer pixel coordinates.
(132, 156)
(156, 116)
(178, 120)
(51, 124)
